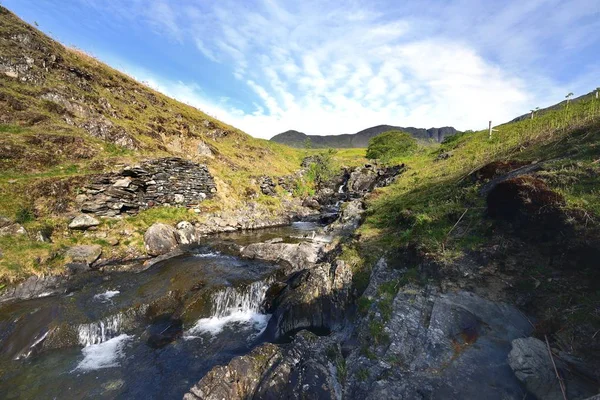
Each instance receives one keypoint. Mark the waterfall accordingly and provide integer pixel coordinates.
(341, 188)
(107, 328)
(100, 331)
(235, 305)
(233, 300)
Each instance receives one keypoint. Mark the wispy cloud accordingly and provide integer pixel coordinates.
(325, 67)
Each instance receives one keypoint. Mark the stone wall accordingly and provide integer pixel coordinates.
(164, 181)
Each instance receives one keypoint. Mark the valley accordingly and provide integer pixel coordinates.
(148, 250)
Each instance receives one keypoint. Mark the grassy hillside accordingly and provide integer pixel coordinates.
(435, 222)
(64, 117)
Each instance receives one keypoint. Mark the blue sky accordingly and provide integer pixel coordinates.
(331, 67)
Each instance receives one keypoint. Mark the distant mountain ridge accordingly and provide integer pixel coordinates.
(359, 139)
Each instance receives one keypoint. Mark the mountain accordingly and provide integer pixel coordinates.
(359, 139)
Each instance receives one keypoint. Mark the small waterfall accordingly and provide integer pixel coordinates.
(232, 300)
(235, 305)
(100, 331)
(341, 188)
(107, 328)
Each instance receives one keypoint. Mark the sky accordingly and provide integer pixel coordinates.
(333, 67)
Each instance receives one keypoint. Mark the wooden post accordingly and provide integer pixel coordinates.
(490, 130)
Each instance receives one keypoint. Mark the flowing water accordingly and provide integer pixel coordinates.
(145, 335)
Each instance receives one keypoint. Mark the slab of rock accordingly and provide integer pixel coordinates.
(530, 360)
(436, 346)
(160, 239)
(84, 254)
(298, 255)
(83, 222)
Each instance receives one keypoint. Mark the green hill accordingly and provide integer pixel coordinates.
(65, 117)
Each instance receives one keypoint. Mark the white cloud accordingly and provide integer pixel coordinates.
(324, 68)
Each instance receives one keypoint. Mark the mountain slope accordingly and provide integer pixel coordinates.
(359, 139)
(67, 120)
(48, 89)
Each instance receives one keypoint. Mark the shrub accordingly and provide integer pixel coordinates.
(391, 144)
(24, 215)
(323, 169)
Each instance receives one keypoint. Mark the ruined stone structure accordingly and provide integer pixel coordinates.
(164, 181)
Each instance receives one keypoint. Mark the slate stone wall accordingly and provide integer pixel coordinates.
(164, 181)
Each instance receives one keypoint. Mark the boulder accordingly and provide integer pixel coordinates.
(314, 299)
(160, 239)
(186, 233)
(83, 222)
(84, 254)
(307, 368)
(298, 255)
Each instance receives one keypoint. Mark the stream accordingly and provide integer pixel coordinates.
(151, 334)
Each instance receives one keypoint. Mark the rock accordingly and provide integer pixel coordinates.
(267, 186)
(186, 233)
(311, 202)
(452, 345)
(179, 198)
(313, 299)
(163, 181)
(113, 241)
(532, 365)
(81, 198)
(83, 222)
(13, 230)
(303, 369)
(204, 150)
(238, 379)
(298, 255)
(42, 237)
(349, 219)
(122, 183)
(34, 286)
(84, 254)
(160, 239)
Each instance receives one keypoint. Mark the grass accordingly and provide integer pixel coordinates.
(427, 200)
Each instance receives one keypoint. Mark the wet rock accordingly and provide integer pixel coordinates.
(186, 233)
(304, 369)
(349, 218)
(84, 254)
(160, 239)
(83, 222)
(298, 255)
(164, 331)
(238, 379)
(33, 287)
(530, 360)
(313, 299)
